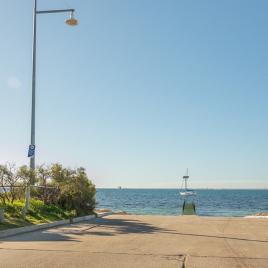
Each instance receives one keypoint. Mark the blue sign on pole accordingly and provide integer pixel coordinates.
(31, 150)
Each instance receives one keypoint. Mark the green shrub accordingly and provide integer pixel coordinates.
(14, 209)
(58, 191)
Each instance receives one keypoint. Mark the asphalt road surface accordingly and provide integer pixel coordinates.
(143, 241)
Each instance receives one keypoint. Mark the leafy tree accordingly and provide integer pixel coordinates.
(9, 180)
(26, 175)
(44, 190)
(76, 191)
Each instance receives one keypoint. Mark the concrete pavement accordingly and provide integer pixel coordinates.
(143, 241)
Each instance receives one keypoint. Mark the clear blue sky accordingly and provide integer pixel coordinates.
(141, 90)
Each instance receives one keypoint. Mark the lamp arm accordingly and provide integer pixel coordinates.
(54, 11)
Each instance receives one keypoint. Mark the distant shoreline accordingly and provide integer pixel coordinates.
(260, 215)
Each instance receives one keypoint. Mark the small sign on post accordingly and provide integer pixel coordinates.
(31, 151)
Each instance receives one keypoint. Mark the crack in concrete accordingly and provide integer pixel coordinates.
(227, 257)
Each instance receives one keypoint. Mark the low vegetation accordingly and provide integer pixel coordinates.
(38, 213)
(56, 193)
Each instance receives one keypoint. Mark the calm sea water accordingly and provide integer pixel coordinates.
(169, 202)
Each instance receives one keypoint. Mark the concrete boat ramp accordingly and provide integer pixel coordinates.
(142, 241)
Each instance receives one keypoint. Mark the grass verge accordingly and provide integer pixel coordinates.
(38, 213)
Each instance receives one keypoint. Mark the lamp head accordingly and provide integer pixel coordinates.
(72, 21)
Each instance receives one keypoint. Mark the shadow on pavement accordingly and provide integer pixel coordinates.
(42, 235)
(125, 226)
(69, 233)
(108, 227)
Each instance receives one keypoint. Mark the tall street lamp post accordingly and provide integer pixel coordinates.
(71, 21)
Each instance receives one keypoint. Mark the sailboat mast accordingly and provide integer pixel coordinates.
(186, 191)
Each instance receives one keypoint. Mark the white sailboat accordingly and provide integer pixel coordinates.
(186, 191)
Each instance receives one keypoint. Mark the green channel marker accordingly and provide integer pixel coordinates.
(188, 208)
